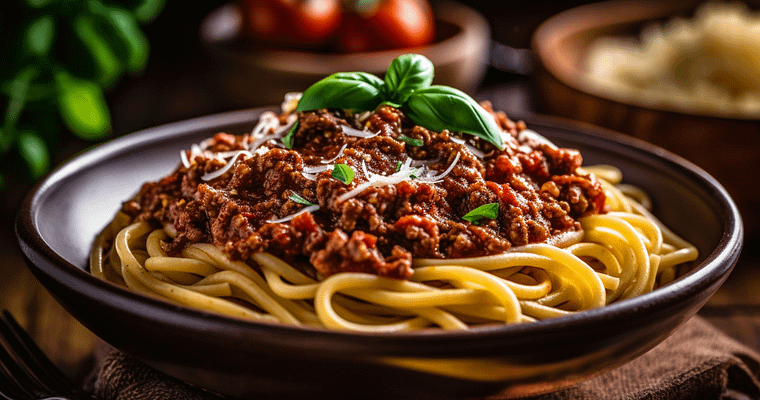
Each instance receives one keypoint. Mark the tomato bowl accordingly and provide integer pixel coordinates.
(60, 218)
(248, 76)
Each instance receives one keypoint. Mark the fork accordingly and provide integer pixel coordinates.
(26, 373)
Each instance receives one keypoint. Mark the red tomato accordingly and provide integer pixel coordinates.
(292, 23)
(392, 24)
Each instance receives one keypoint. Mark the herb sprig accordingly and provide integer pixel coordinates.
(343, 173)
(410, 141)
(490, 211)
(300, 200)
(407, 86)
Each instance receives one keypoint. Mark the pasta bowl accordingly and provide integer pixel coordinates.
(62, 215)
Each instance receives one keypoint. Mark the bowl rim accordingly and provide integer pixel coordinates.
(472, 27)
(42, 259)
(551, 33)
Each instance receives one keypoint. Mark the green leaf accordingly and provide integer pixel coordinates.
(442, 107)
(39, 3)
(148, 10)
(39, 36)
(358, 91)
(34, 151)
(406, 74)
(343, 173)
(300, 200)
(398, 165)
(6, 140)
(124, 36)
(18, 91)
(107, 64)
(410, 141)
(82, 106)
(288, 139)
(490, 211)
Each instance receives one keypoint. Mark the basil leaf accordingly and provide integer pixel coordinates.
(38, 3)
(406, 74)
(6, 140)
(398, 166)
(40, 35)
(107, 65)
(34, 151)
(300, 200)
(442, 107)
(123, 33)
(148, 10)
(410, 141)
(490, 211)
(18, 93)
(83, 106)
(288, 139)
(358, 91)
(343, 173)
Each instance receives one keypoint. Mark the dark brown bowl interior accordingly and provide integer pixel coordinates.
(725, 146)
(60, 218)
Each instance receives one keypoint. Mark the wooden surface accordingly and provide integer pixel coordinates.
(69, 344)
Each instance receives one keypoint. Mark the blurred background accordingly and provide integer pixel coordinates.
(78, 73)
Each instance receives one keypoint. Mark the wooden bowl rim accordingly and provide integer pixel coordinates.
(553, 38)
(473, 28)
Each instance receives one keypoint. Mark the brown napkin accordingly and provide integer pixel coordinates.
(697, 361)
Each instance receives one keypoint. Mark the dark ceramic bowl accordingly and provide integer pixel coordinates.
(60, 218)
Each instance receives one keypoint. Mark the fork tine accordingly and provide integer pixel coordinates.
(16, 381)
(9, 389)
(49, 375)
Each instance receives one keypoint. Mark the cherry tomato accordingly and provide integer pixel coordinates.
(291, 23)
(389, 24)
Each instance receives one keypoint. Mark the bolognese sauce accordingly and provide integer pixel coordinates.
(410, 192)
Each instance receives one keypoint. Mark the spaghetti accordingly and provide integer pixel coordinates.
(613, 249)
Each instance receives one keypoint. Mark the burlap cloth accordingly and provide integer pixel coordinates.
(698, 361)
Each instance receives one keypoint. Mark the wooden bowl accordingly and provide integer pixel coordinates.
(254, 77)
(724, 145)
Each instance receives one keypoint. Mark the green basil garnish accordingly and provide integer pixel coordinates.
(410, 141)
(490, 211)
(34, 151)
(406, 74)
(343, 173)
(40, 35)
(357, 91)
(398, 166)
(443, 107)
(300, 200)
(288, 139)
(83, 106)
(407, 86)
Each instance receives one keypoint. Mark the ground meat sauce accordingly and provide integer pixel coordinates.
(379, 230)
